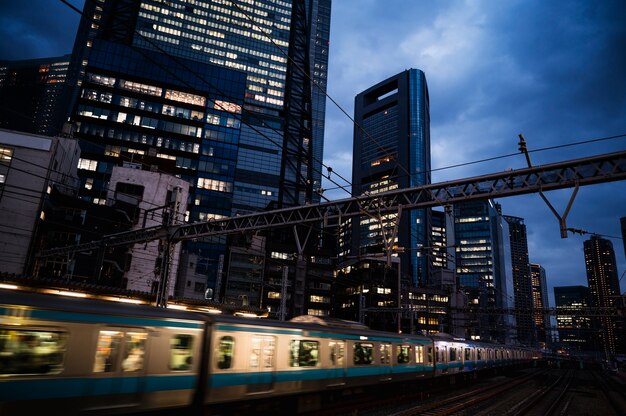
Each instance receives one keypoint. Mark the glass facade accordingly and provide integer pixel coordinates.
(392, 150)
(483, 267)
(522, 283)
(201, 90)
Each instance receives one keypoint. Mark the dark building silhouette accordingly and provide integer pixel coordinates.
(30, 91)
(603, 288)
(540, 315)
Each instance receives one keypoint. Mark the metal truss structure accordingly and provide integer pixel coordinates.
(573, 173)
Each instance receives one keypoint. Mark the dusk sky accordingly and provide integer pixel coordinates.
(554, 71)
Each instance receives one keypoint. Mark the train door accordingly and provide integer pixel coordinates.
(385, 362)
(118, 368)
(337, 372)
(262, 363)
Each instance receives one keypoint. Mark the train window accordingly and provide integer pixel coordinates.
(403, 353)
(385, 353)
(479, 353)
(437, 357)
(262, 354)
(225, 352)
(452, 354)
(303, 353)
(419, 354)
(107, 351)
(24, 351)
(180, 352)
(135, 347)
(430, 354)
(337, 353)
(363, 353)
(468, 354)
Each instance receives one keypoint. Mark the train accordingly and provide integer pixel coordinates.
(83, 356)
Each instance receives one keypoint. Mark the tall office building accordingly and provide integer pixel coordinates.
(522, 283)
(575, 330)
(603, 287)
(29, 94)
(219, 93)
(540, 303)
(483, 267)
(392, 150)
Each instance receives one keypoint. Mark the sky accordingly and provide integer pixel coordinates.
(554, 71)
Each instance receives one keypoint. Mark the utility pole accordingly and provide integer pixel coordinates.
(283, 293)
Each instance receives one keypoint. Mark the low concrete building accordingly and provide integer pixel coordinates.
(30, 166)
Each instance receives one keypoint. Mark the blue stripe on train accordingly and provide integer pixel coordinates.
(104, 319)
(49, 388)
(234, 379)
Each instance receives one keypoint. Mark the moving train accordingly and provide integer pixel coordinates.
(80, 356)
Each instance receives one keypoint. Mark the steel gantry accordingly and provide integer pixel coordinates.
(572, 173)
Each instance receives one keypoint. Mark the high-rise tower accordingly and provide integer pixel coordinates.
(228, 95)
(392, 150)
(540, 303)
(522, 283)
(603, 287)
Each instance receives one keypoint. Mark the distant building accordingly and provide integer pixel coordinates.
(522, 283)
(483, 267)
(392, 150)
(30, 91)
(540, 304)
(30, 166)
(603, 287)
(575, 330)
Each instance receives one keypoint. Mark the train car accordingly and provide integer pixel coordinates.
(97, 357)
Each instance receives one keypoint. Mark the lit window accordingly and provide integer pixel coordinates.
(5, 154)
(87, 164)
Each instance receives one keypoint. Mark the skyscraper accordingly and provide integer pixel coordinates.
(540, 303)
(483, 267)
(217, 92)
(392, 150)
(603, 287)
(522, 283)
(574, 329)
(29, 94)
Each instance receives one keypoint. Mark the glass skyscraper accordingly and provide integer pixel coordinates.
(392, 150)
(483, 267)
(218, 92)
(522, 282)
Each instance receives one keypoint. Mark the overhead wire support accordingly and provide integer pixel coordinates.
(561, 219)
(580, 172)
